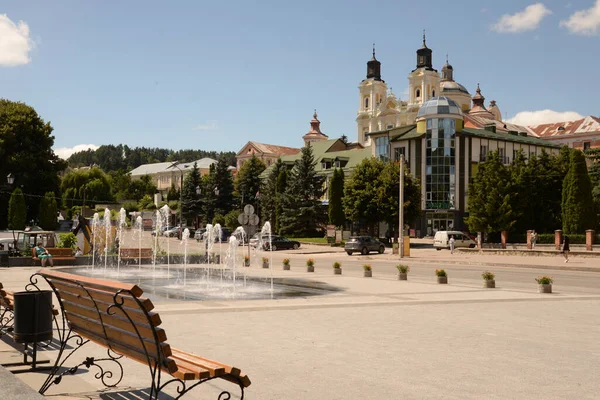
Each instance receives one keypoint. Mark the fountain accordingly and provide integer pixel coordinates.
(95, 225)
(139, 229)
(107, 229)
(184, 238)
(166, 213)
(266, 231)
(122, 223)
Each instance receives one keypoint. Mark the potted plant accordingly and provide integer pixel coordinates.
(265, 262)
(310, 265)
(442, 277)
(544, 284)
(246, 261)
(488, 279)
(337, 268)
(368, 271)
(286, 264)
(402, 272)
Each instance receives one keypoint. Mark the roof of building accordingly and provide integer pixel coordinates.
(452, 86)
(271, 149)
(439, 105)
(482, 133)
(478, 122)
(585, 125)
(155, 168)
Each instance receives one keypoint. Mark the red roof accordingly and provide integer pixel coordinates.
(585, 125)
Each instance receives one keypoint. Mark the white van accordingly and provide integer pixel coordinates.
(440, 241)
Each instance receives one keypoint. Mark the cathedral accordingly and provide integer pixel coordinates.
(379, 109)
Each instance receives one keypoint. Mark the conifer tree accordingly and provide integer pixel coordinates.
(302, 209)
(268, 194)
(280, 191)
(17, 210)
(191, 204)
(577, 203)
(248, 181)
(48, 212)
(223, 180)
(337, 216)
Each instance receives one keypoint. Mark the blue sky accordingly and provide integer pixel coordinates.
(213, 75)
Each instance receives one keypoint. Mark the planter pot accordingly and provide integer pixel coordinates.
(442, 279)
(247, 263)
(402, 276)
(337, 271)
(368, 274)
(310, 268)
(265, 264)
(490, 284)
(286, 267)
(545, 288)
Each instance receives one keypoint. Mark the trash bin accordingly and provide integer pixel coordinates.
(33, 316)
(4, 258)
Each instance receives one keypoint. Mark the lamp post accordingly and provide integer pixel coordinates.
(174, 164)
(10, 179)
(401, 209)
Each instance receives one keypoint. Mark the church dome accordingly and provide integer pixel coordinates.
(439, 106)
(452, 87)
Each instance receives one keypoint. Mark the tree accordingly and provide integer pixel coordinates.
(191, 204)
(280, 190)
(142, 187)
(48, 212)
(268, 194)
(231, 219)
(224, 183)
(336, 195)
(489, 204)
(173, 193)
(93, 184)
(26, 152)
(577, 203)
(302, 209)
(371, 194)
(17, 210)
(247, 184)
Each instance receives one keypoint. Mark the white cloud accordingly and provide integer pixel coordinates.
(65, 152)
(526, 20)
(584, 22)
(211, 126)
(15, 43)
(529, 118)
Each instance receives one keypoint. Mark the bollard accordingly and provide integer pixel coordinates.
(557, 239)
(589, 239)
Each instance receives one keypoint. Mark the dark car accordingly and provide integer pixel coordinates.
(280, 242)
(363, 245)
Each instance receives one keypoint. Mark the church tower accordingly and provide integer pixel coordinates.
(372, 91)
(423, 81)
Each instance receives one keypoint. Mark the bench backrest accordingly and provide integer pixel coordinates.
(56, 252)
(135, 253)
(131, 329)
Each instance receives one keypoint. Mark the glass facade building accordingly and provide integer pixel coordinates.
(440, 174)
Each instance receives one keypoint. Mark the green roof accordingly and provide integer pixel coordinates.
(320, 152)
(507, 137)
(404, 132)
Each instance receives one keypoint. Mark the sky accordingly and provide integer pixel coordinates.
(213, 75)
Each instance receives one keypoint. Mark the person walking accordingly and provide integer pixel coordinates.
(451, 242)
(565, 248)
(533, 239)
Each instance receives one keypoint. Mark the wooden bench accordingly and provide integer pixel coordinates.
(136, 254)
(116, 316)
(58, 254)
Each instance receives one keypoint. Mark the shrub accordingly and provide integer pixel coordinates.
(544, 280)
(310, 262)
(440, 272)
(367, 267)
(487, 276)
(286, 261)
(337, 265)
(67, 240)
(218, 219)
(403, 269)
(265, 259)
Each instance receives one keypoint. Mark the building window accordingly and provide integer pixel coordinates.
(366, 102)
(433, 93)
(390, 126)
(440, 175)
(398, 151)
(586, 145)
(418, 93)
(483, 151)
(338, 164)
(502, 155)
(382, 145)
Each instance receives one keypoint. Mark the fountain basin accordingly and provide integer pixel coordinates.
(205, 283)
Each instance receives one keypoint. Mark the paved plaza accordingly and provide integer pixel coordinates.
(383, 338)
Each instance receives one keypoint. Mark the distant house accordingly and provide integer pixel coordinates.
(166, 173)
(582, 134)
(268, 153)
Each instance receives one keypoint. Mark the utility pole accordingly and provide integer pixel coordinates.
(401, 209)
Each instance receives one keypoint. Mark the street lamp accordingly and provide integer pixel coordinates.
(10, 179)
(175, 164)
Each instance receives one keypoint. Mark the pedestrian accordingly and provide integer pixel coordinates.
(43, 255)
(533, 239)
(565, 248)
(451, 241)
(78, 252)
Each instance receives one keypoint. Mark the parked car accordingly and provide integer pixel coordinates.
(363, 245)
(254, 240)
(171, 232)
(280, 242)
(161, 232)
(440, 240)
(199, 235)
